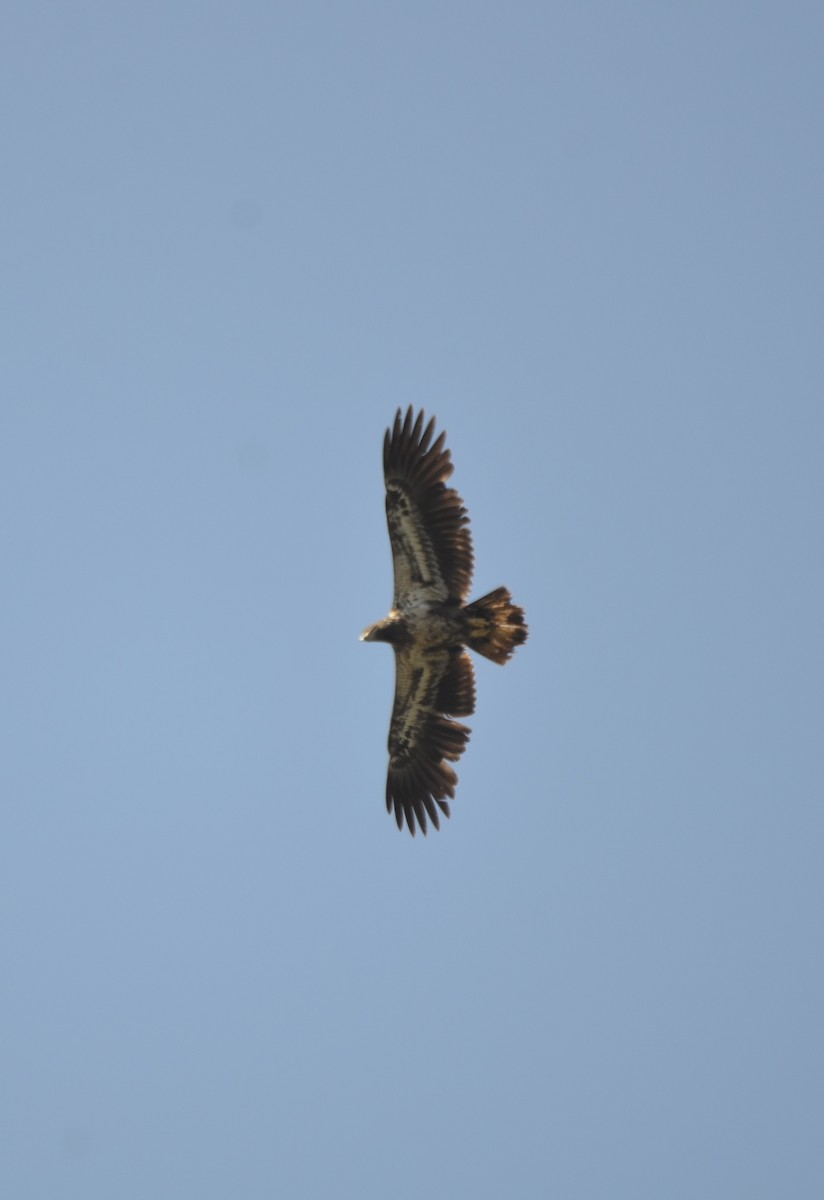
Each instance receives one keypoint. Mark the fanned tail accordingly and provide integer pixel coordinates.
(495, 626)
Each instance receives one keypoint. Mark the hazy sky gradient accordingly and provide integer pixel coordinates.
(234, 240)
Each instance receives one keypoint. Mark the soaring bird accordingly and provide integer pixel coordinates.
(430, 624)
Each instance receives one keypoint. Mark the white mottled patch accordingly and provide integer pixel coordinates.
(418, 578)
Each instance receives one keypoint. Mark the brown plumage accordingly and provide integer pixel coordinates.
(430, 623)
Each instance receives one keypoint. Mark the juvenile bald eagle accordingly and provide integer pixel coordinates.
(431, 623)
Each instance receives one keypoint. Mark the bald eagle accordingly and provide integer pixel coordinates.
(430, 623)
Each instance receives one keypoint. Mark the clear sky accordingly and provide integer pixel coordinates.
(234, 239)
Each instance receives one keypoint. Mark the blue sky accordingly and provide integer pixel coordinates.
(234, 240)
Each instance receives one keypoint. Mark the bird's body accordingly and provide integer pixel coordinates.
(430, 623)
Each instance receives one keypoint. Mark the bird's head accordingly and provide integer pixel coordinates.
(391, 629)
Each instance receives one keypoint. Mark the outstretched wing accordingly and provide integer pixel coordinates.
(428, 524)
(431, 686)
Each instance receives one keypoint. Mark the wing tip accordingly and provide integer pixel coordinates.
(420, 791)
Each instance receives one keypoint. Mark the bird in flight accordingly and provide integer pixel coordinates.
(430, 624)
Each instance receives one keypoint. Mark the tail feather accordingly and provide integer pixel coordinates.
(495, 626)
